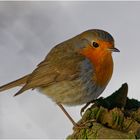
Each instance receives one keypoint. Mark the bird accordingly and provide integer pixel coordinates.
(74, 72)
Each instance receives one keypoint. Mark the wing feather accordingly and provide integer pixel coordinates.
(59, 65)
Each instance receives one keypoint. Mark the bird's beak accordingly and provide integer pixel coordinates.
(114, 49)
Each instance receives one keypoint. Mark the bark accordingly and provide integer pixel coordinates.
(114, 117)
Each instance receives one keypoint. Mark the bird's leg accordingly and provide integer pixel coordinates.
(85, 106)
(83, 125)
(66, 113)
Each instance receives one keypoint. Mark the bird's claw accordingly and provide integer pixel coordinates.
(86, 124)
(84, 107)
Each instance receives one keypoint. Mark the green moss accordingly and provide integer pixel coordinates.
(106, 120)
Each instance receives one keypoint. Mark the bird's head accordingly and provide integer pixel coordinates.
(97, 42)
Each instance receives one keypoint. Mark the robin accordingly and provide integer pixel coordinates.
(74, 72)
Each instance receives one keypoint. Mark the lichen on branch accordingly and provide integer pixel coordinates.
(113, 117)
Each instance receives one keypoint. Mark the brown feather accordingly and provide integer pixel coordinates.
(15, 83)
(62, 63)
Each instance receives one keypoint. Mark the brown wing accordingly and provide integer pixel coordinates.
(62, 63)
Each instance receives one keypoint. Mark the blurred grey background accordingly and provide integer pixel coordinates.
(28, 30)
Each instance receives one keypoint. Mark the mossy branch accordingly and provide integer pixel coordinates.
(113, 117)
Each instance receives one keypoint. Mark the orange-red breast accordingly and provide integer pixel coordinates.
(75, 71)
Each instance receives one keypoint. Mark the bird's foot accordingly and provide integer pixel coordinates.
(84, 107)
(85, 124)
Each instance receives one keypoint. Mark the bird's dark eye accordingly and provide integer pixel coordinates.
(95, 44)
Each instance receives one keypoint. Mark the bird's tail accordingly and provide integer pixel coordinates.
(18, 82)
